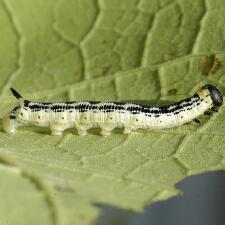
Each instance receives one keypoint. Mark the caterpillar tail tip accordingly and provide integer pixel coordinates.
(8, 125)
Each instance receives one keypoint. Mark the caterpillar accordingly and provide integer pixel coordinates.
(84, 115)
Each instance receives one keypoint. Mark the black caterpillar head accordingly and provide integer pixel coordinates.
(216, 95)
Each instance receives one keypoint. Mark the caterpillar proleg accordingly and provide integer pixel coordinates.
(83, 115)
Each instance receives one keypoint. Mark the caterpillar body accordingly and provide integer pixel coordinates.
(84, 115)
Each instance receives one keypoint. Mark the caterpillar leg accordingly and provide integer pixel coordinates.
(9, 125)
(57, 129)
(106, 129)
(196, 121)
(82, 132)
(214, 109)
(105, 132)
(56, 132)
(208, 113)
(127, 130)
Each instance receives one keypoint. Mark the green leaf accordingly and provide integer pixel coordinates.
(141, 51)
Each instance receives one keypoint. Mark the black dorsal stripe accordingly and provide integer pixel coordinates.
(26, 103)
(114, 106)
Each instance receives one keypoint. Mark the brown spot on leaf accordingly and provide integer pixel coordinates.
(216, 66)
(106, 70)
(210, 65)
(172, 91)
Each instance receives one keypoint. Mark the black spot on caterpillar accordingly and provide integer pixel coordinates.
(84, 115)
